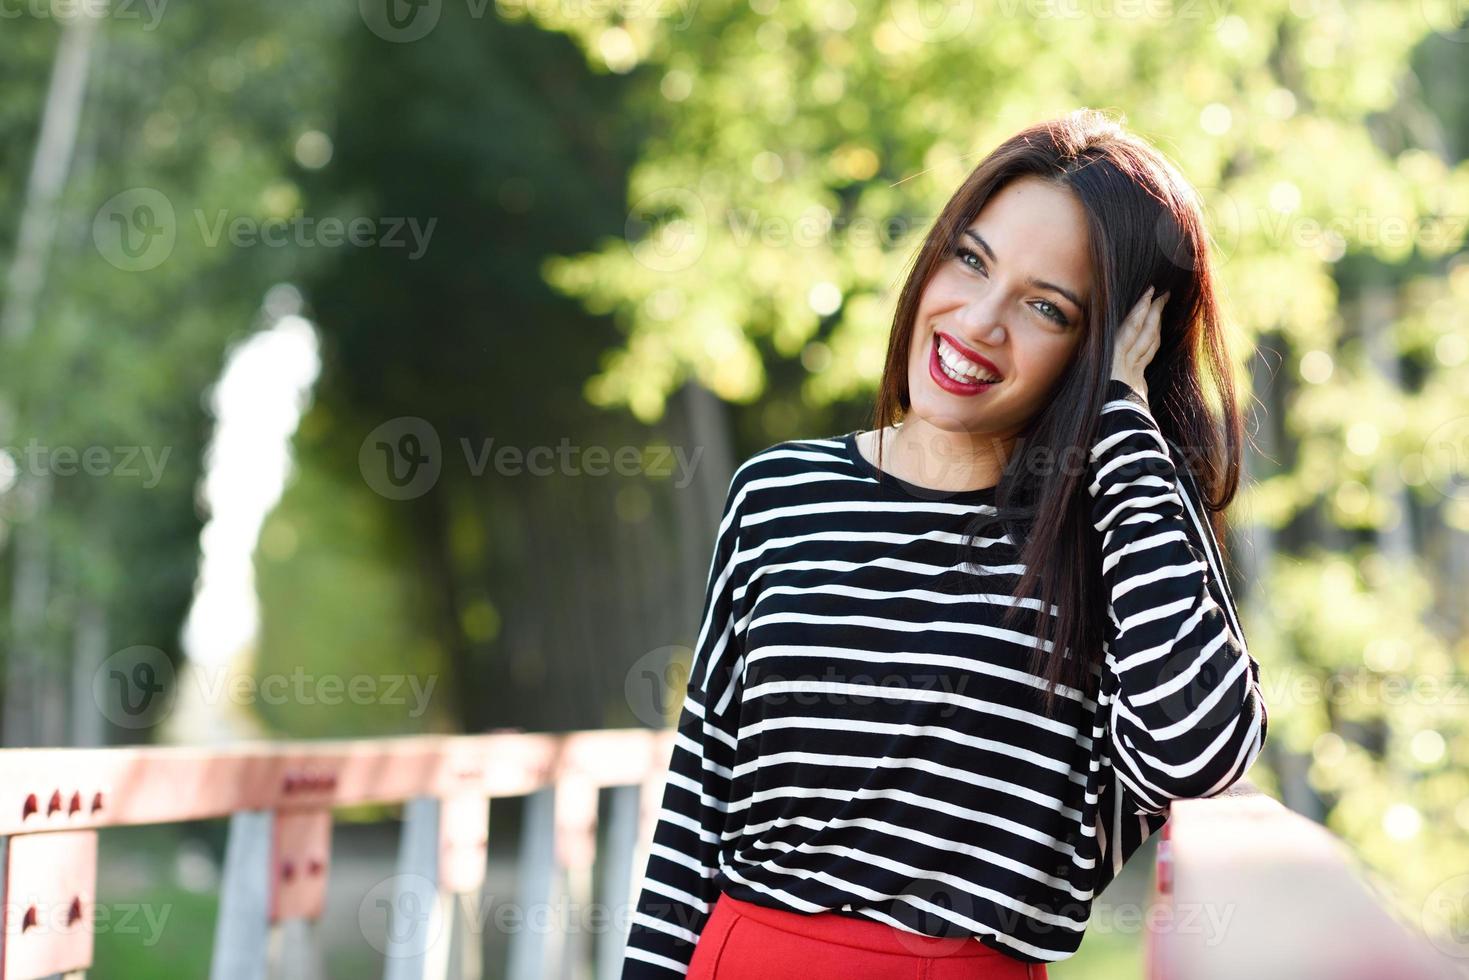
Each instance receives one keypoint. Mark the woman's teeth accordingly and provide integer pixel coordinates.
(961, 368)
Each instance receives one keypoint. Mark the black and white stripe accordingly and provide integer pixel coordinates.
(860, 736)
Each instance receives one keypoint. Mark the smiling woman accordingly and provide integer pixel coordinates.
(894, 758)
(1028, 275)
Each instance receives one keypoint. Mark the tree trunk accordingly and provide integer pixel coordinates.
(34, 678)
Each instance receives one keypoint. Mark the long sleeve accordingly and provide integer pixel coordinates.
(678, 890)
(1180, 691)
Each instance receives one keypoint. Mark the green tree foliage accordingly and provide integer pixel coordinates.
(195, 113)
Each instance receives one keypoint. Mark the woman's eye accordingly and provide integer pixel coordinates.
(1052, 311)
(964, 253)
(1056, 313)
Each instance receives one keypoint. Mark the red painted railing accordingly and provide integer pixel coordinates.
(280, 797)
(1246, 889)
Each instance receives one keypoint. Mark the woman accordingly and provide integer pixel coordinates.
(883, 767)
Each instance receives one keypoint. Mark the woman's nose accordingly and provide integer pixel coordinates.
(982, 331)
(982, 323)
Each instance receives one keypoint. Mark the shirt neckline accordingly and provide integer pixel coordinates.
(900, 487)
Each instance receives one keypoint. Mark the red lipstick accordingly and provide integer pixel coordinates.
(963, 388)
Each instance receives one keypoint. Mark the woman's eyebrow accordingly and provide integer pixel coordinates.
(979, 240)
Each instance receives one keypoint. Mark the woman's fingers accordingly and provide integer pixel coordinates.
(1140, 337)
(1155, 327)
(1134, 327)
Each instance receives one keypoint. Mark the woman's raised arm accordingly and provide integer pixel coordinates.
(1180, 690)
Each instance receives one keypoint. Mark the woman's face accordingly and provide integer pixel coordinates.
(1009, 299)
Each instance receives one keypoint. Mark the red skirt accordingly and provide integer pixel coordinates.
(743, 941)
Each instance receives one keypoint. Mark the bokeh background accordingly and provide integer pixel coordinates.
(375, 368)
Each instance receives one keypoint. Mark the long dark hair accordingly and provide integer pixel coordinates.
(1146, 227)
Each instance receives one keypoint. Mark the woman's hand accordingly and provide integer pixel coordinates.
(1137, 341)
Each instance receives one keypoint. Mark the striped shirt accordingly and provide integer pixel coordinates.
(860, 737)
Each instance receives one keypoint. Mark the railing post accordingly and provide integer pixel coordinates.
(295, 951)
(575, 855)
(49, 885)
(274, 885)
(418, 913)
(440, 860)
(1158, 966)
(463, 858)
(242, 928)
(527, 959)
(300, 856)
(617, 876)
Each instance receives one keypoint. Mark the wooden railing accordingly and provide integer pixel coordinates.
(279, 799)
(1246, 889)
